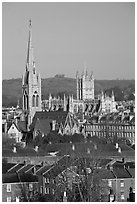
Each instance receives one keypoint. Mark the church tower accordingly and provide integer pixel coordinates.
(31, 84)
(85, 86)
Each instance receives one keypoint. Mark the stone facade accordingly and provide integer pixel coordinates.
(31, 84)
(85, 86)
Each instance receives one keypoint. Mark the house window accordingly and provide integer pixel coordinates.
(122, 196)
(12, 127)
(46, 180)
(46, 190)
(121, 183)
(9, 199)
(110, 183)
(8, 187)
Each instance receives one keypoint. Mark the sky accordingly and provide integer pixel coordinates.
(67, 35)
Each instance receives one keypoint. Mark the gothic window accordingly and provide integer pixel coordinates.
(37, 101)
(27, 101)
(24, 101)
(33, 101)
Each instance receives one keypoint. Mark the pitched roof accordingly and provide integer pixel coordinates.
(34, 168)
(43, 125)
(132, 120)
(70, 120)
(14, 178)
(6, 167)
(43, 169)
(59, 116)
(9, 124)
(22, 126)
(25, 168)
(130, 164)
(131, 172)
(118, 164)
(121, 173)
(103, 174)
(58, 167)
(15, 168)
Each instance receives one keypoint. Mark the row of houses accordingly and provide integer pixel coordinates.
(114, 179)
(112, 126)
(120, 125)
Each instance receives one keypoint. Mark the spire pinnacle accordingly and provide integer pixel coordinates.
(85, 73)
(30, 57)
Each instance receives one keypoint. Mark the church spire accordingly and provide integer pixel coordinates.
(30, 57)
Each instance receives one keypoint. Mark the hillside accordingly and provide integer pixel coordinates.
(11, 89)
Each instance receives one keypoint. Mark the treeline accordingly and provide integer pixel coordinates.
(12, 89)
(54, 138)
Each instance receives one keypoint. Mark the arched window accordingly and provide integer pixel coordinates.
(27, 101)
(24, 102)
(33, 101)
(37, 101)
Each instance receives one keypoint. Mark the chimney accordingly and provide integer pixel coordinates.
(65, 197)
(119, 150)
(14, 149)
(111, 168)
(73, 147)
(116, 145)
(53, 125)
(36, 148)
(24, 162)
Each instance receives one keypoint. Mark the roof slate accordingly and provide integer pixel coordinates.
(59, 116)
(121, 173)
(7, 166)
(13, 178)
(15, 168)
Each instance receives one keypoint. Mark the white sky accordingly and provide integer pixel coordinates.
(65, 35)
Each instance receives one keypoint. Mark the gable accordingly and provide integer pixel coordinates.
(13, 129)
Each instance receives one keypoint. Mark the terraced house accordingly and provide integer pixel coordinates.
(112, 126)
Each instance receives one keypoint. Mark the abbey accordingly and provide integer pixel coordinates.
(31, 84)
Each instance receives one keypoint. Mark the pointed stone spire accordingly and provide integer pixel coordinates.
(30, 57)
(112, 96)
(50, 96)
(91, 75)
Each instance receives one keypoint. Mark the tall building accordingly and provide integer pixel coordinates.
(85, 86)
(31, 84)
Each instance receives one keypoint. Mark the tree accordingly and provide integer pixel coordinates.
(85, 187)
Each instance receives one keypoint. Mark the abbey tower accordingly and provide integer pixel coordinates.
(31, 84)
(85, 86)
